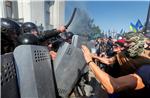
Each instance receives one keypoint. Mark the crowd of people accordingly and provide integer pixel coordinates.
(122, 66)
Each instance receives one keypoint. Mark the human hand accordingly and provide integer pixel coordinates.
(53, 55)
(87, 54)
(61, 29)
(94, 56)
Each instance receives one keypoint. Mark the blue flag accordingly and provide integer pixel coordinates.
(139, 25)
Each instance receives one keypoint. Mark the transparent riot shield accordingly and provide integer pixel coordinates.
(9, 85)
(77, 41)
(34, 72)
(68, 66)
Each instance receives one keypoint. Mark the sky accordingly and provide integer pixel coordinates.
(111, 15)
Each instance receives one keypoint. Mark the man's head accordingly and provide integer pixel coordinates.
(10, 30)
(118, 47)
(136, 43)
(29, 27)
(67, 36)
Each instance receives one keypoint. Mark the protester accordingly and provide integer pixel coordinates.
(134, 56)
(109, 50)
(131, 62)
(111, 85)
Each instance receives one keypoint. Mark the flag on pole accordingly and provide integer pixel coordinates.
(133, 27)
(139, 25)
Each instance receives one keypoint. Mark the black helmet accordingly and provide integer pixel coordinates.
(20, 24)
(8, 26)
(28, 39)
(28, 27)
(10, 30)
(68, 35)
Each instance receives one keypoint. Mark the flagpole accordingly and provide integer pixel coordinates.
(148, 19)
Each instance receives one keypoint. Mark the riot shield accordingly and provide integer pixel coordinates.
(9, 85)
(34, 72)
(77, 41)
(68, 67)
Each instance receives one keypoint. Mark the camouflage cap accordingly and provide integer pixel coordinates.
(136, 43)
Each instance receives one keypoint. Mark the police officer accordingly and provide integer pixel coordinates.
(29, 27)
(10, 30)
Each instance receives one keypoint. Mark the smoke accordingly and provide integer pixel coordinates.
(81, 23)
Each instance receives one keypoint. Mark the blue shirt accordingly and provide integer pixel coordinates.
(144, 73)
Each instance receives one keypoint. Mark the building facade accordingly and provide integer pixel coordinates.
(44, 13)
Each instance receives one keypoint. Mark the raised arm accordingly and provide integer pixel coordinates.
(105, 60)
(111, 85)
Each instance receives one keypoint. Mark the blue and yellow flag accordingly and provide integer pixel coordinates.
(133, 27)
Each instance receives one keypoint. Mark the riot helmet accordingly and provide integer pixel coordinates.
(20, 23)
(69, 35)
(9, 26)
(29, 27)
(10, 30)
(28, 39)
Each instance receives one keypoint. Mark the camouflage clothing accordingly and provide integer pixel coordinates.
(136, 43)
